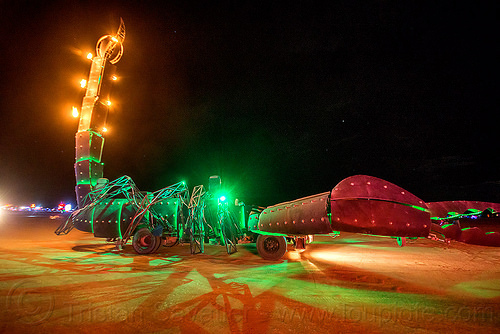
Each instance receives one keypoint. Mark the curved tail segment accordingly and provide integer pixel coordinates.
(94, 112)
(369, 205)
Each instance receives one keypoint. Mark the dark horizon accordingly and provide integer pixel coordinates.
(281, 100)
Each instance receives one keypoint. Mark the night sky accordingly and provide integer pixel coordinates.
(281, 99)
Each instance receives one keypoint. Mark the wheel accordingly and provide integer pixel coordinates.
(170, 241)
(144, 242)
(159, 242)
(271, 247)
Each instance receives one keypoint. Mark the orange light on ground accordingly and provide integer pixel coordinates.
(75, 112)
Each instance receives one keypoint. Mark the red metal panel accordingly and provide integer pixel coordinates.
(88, 145)
(88, 171)
(366, 204)
(82, 190)
(303, 216)
(107, 218)
(379, 218)
(99, 115)
(369, 187)
(83, 220)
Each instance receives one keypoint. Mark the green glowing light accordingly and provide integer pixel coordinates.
(91, 159)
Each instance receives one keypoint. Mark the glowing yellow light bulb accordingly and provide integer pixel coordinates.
(104, 129)
(90, 55)
(108, 102)
(83, 83)
(75, 112)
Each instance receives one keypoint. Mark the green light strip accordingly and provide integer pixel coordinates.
(89, 159)
(89, 182)
(458, 216)
(415, 207)
(120, 220)
(269, 233)
(92, 220)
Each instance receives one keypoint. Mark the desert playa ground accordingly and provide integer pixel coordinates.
(350, 284)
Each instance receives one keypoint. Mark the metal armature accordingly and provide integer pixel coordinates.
(228, 228)
(196, 219)
(148, 205)
(220, 225)
(145, 206)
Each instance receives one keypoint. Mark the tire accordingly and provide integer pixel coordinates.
(159, 241)
(145, 242)
(170, 241)
(271, 247)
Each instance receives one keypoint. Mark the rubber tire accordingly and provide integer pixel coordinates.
(271, 247)
(171, 244)
(145, 242)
